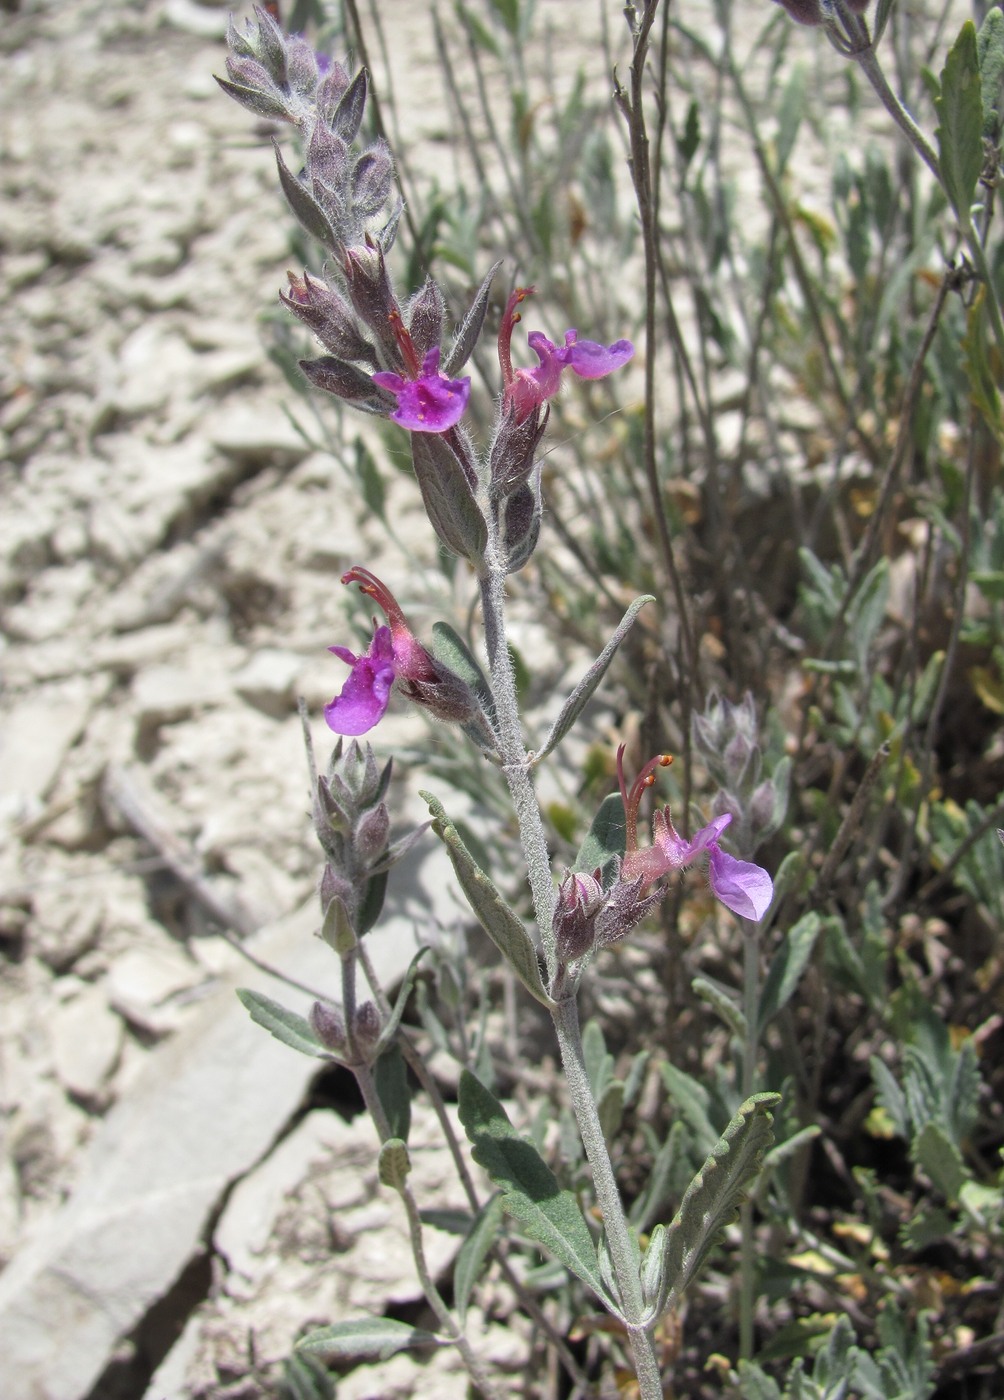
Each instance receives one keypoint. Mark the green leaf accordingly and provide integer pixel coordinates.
(891, 1096)
(792, 107)
(688, 142)
(447, 496)
(371, 483)
(605, 839)
(287, 1026)
(582, 693)
(934, 1151)
(713, 1197)
(693, 1101)
(976, 363)
(723, 1000)
(305, 1378)
(610, 1109)
(394, 1164)
(960, 135)
(500, 923)
(787, 967)
(474, 1251)
(364, 1339)
(480, 35)
(390, 1077)
(990, 50)
(530, 1190)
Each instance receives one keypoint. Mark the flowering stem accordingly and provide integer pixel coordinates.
(623, 1251)
(515, 763)
(751, 1014)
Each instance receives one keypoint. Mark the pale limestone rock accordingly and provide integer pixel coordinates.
(86, 1042)
(206, 1106)
(35, 736)
(166, 694)
(268, 681)
(142, 982)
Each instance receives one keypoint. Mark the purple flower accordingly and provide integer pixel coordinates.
(740, 885)
(393, 652)
(394, 655)
(527, 389)
(365, 695)
(430, 403)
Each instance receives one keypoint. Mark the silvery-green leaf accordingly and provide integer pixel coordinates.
(389, 1031)
(289, 1027)
(390, 1077)
(394, 1163)
(713, 1197)
(474, 1251)
(605, 839)
(582, 693)
(530, 1190)
(501, 924)
(786, 969)
(470, 329)
(303, 204)
(960, 134)
(364, 1339)
(723, 1001)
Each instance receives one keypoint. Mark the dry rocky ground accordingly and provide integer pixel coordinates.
(177, 1198)
(170, 549)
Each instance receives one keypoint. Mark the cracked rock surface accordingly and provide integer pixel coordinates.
(170, 549)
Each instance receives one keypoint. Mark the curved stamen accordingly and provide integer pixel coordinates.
(632, 798)
(379, 592)
(510, 318)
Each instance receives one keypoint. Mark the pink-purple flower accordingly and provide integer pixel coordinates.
(428, 403)
(392, 653)
(740, 885)
(527, 389)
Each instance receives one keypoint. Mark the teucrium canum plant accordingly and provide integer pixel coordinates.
(387, 356)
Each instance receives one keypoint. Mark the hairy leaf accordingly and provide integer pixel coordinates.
(530, 1190)
(960, 135)
(582, 693)
(288, 1026)
(473, 1253)
(364, 1339)
(713, 1197)
(501, 924)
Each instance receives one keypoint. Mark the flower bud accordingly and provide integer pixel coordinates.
(580, 898)
(367, 1026)
(762, 806)
(328, 1025)
(333, 886)
(803, 11)
(371, 834)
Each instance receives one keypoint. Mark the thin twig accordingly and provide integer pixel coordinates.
(124, 790)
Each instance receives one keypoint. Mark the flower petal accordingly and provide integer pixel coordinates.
(741, 886)
(430, 404)
(589, 360)
(363, 699)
